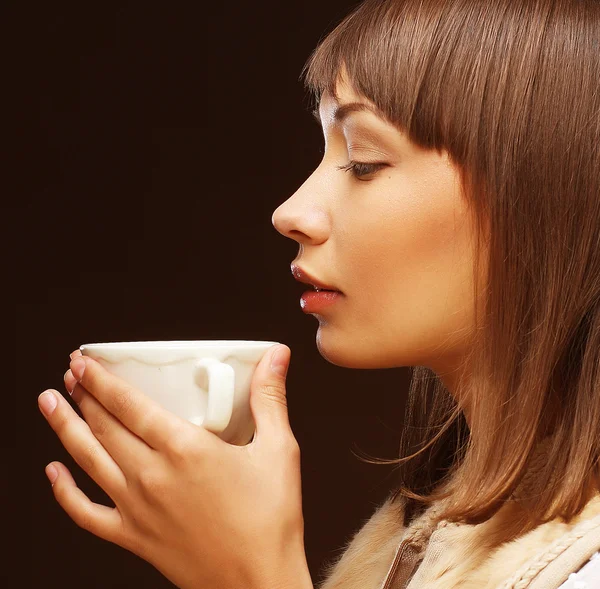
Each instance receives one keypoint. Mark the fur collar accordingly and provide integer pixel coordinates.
(455, 555)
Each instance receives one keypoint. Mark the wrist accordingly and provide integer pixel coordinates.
(290, 572)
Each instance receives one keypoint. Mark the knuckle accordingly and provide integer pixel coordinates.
(137, 525)
(274, 392)
(123, 402)
(100, 425)
(84, 520)
(62, 422)
(182, 445)
(152, 484)
(89, 459)
(146, 478)
(148, 421)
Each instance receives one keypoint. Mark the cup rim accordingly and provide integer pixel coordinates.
(177, 344)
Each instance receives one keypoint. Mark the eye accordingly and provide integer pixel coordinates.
(360, 169)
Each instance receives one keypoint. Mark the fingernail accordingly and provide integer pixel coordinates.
(279, 363)
(65, 378)
(77, 368)
(51, 473)
(47, 402)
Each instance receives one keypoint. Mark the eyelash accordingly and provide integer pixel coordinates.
(359, 169)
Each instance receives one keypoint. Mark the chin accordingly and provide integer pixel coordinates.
(344, 351)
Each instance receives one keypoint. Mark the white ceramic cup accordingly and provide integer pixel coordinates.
(206, 382)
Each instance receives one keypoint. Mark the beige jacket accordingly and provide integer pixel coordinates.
(383, 554)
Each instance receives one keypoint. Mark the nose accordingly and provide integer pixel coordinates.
(302, 218)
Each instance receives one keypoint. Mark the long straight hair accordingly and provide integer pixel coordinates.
(510, 89)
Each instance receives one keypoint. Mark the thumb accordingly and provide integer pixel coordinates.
(268, 397)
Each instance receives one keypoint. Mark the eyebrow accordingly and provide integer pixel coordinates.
(344, 110)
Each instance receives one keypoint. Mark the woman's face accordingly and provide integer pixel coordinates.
(397, 243)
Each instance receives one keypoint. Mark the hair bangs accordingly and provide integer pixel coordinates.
(410, 60)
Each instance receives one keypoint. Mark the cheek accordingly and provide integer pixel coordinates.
(415, 263)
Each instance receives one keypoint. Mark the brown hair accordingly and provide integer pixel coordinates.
(511, 91)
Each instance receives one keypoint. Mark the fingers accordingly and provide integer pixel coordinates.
(77, 438)
(100, 520)
(135, 410)
(126, 449)
(75, 353)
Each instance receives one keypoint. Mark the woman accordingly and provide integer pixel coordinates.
(464, 234)
(456, 212)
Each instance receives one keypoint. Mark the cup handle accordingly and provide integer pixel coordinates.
(221, 381)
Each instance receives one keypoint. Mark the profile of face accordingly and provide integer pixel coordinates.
(393, 234)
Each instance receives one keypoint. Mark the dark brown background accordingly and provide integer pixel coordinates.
(153, 144)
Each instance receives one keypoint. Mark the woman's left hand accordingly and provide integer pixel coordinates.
(204, 512)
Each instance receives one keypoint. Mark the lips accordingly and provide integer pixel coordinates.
(302, 276)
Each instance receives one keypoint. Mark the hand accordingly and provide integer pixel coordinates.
(205, 513)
